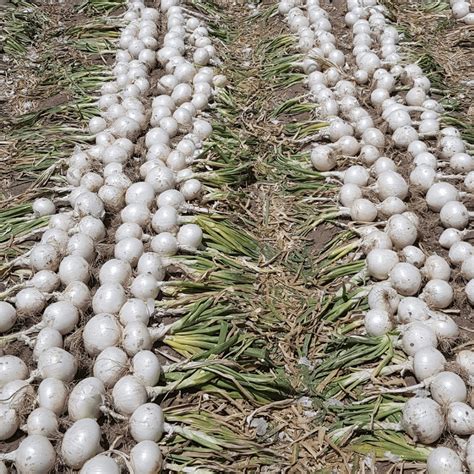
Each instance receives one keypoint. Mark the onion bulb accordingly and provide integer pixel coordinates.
(146, 458)
(100, 464)
(81, 442)
(428, 361)
(448, 387)
(417, 336)
(147, 423)
(423, 420)
(460, 419)
(443, 460)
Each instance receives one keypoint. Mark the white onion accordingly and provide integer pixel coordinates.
(29, 302)
(43, 207)
(128, 229)
(44, 257)
(405, 278)
(57, 363)
(164, 244)
(190, 236)
(110, 365)
(81, 442)
(86, 399)
(454, 214)
(460, 251)
(62, 316)
(151, 263)
(450, 237)
(448, 387)
(134, 310)
(423, 420)
(436, 267)
(45, 281)
(129, 250)
(52, 394)
(42, 421)
(322, 158)
(47, 338)
(92, 227)
(7, 316)
(403, 136)
(82, 245)
(165, 219)
(128, 394)
(439, 194)
(438, 294)
(78, 294)
(100, 464)
(100, 332)
(136, 213)
(73, 268)
(108, 298)
(9, 423)
(380, 263)
(417, 336)
(147, 423)
(35, 455)
(146, 367)
(136, 337)
(382, 296)
(428, 361)
(443, 460)
(146, 458)
(401, 231)
(12, 368)
(377, 322)
(115, 271)
(414, 255)
(391, 183)
(460, 419)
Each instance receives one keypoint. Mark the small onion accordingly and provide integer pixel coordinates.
(443, 460)
(423, 420)
(460, 419)
(35, 455)
(128, 394)
(147, 423)
(448, 387)
(110, 365)
(380, 263)
(146, 458)
(146, 367)
(81, 442)
(52, 394)
(100, 332)
(377, 322)
(438, 294)
(42, 421)
(57, 363)
(100, 464)
(86, 399)
(417, 336)
(109, 298)
(7, 316)
(428, 361)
